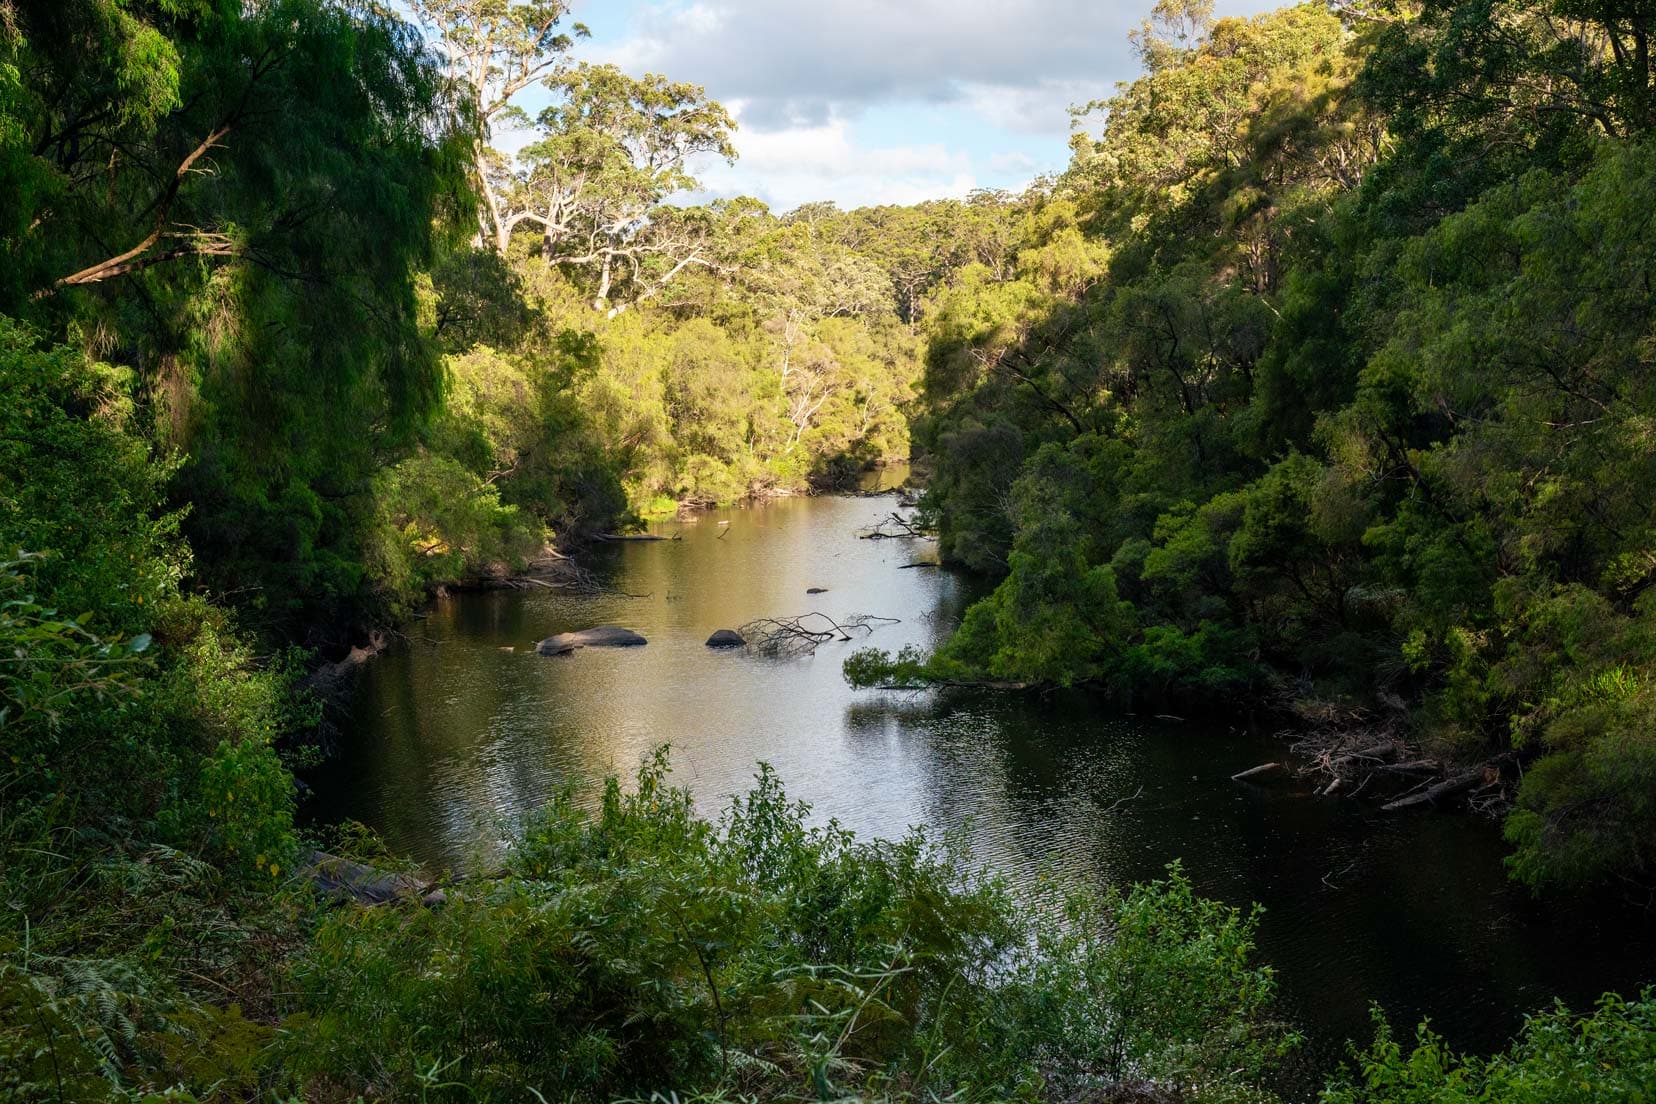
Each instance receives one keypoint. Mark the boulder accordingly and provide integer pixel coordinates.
(726, 638)
(604, 636)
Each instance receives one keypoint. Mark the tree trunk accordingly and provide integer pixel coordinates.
(604, 283)
(493, 225)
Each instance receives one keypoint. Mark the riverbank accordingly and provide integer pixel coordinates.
(455, 737)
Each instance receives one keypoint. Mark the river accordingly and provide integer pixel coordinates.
(452, 736)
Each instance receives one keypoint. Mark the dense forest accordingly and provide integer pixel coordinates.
(1318, 379)
(1341, 403)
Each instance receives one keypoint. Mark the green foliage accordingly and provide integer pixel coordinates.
(640, 950)
(1606, 1056)
(1347, 397)
(234, 201)
(143, 808)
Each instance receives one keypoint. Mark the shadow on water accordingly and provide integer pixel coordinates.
(455, 737)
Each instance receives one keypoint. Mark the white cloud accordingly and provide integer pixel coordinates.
(801, 62)
(812, 80)
(792, 165)
(1040, 108)
(1013, 162)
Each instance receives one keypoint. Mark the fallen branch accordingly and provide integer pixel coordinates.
(620, 537)
(1450, 787)
(561, 574)
(1254, 772)
(346, 880)
(803, 635)
(1120, 801)
(892, 527)
(1419, 766)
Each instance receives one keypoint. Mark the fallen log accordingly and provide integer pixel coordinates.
(1254, 772)
(1378, 751)
(954, 684)
(330, 679)
(613, 537)
(347, 880)
(1449, 787)
(1419, 766)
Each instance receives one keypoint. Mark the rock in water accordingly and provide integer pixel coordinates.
(726, 638)
(604, 636)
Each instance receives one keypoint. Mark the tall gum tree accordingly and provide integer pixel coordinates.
(611, 150)
(494, 50)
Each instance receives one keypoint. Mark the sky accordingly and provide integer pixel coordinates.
(867, 102)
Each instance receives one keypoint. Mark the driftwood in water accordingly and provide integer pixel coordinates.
(893, 527)
(347, 880)
(953, 684)
(638, 537)
(803, 635)
(1419, 766)
(1254, 772)
(330, 679)
(1449, 787)
(919, 563)
(1373, 752)
(564, 575)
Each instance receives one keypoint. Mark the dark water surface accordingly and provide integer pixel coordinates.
(452, 737)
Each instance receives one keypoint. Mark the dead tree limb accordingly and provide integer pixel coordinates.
(803, 635)
(893, 527)
(1484, 776)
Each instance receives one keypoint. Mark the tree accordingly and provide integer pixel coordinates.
(233, 201)
(799, 276)
(611, 150)
(496, 49)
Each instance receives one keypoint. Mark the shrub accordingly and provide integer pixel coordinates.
(642, 950)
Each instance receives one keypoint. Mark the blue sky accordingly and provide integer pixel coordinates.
(860, 102)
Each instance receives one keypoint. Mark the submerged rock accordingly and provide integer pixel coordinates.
(726, 638)
(604, 636)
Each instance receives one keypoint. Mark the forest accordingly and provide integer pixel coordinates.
(1320, 380)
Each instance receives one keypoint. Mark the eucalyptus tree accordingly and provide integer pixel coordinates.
(494, 50)
(798, 275)
(611, 149)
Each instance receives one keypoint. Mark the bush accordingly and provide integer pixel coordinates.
(144, 813)
(641, 950)
(1608, 1058)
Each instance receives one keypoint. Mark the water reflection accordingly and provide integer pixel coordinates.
(454, 736)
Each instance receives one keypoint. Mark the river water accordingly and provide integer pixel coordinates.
(452, 736)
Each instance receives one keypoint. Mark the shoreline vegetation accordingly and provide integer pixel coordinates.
(1323, 370)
